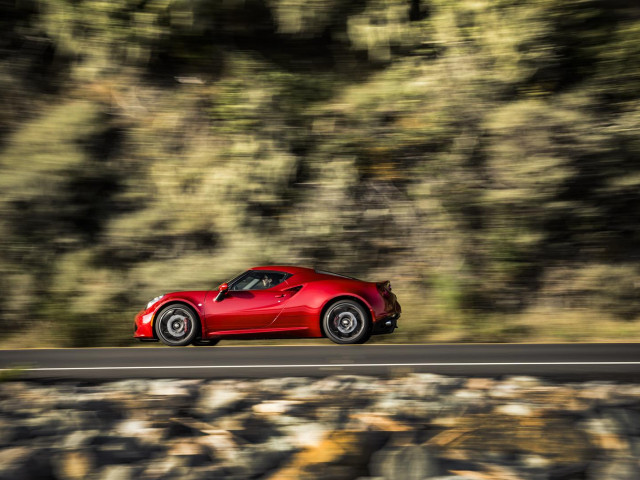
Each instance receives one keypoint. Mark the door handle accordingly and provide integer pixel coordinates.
(280, 296)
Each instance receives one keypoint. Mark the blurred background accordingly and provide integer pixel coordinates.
(482, 155)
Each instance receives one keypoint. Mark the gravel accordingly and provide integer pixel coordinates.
(418, 426)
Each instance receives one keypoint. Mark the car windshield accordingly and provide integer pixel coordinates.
(258, 280)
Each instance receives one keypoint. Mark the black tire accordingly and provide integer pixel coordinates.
(177, 325)
(346, 322)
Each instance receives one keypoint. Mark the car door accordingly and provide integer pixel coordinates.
(246, 305)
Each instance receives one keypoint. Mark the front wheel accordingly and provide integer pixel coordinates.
(346, 322)
(177, 325)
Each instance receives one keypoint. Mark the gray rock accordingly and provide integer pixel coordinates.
(103, 412)
(257, 430)
(217, 399)
(9, 433)
(635, 447)
(118, 472)
(258, 460)
(415, 462)
(13, 461)
(425, 385)
(52, 423)
(627, 420)
(171, 388)
(534, 461)
(216, 472)
(110, 450)
(306, 434)
(282, 385)
(277, 407)
(523, 381)
(618, 469)
(164, 467)
(418, 410)
(600, 425)
(195, 429)
(135, 386)
(73, 464)
(520, 409)
(79, 439)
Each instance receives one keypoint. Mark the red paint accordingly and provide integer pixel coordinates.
(240, 310)
(292, 308)
(254, 331)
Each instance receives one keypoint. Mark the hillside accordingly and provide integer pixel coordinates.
(483, 155)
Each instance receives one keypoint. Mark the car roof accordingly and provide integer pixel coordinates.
(313, 273)
(285, 268)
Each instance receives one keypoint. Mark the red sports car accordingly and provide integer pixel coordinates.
(272, 302)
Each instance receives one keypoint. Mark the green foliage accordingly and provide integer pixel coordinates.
(480, 154)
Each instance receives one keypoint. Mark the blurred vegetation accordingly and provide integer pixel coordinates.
(483, 155)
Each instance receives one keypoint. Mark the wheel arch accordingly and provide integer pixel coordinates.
(345, 296)
(176, 302)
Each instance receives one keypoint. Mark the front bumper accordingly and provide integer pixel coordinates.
(143, 325)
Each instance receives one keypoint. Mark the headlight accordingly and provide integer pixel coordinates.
(151, 302)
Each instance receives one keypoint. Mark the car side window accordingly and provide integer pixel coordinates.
(259, 280)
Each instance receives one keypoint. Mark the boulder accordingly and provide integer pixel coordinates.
(414, 462)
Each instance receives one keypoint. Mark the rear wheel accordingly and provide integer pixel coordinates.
(346, 321)
(177, 325)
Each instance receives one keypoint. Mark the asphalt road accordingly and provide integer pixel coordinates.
(620, 362)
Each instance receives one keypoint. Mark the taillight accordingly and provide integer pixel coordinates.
(384, 288)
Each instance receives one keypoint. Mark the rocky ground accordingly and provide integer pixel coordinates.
(416, 426)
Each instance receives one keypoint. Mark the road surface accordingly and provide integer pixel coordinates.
(620, 362)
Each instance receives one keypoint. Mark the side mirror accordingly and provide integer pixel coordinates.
(222, 289)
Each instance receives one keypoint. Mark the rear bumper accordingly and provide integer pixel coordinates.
(386, 325)
(387, 321)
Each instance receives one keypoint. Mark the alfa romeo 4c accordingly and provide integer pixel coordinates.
(272, 302)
